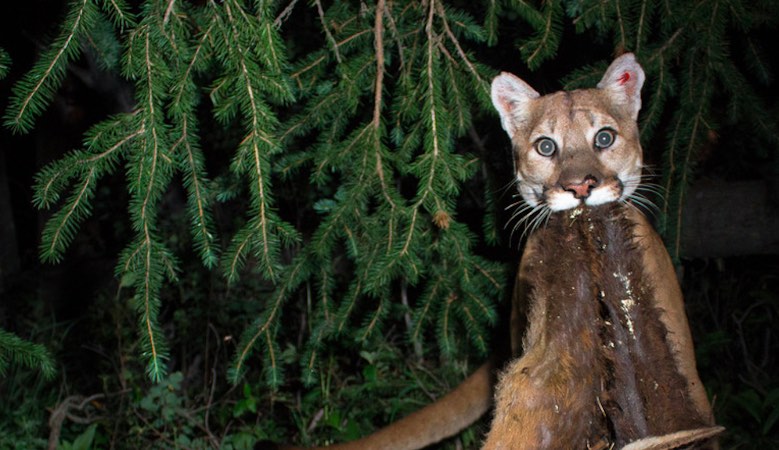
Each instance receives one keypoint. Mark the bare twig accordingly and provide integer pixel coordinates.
(284, 14)
(168, 11)
(327, 30)
(377, 100)
(393, 27)
(418, 351)
(211, 437)
(151, 426)
(442, 14)
(379, 47)
(63, 411)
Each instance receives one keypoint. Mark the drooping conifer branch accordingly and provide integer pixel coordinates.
(55, 176)
(61, 228)
(246, 65)
(326, 30)
(643, 25)
(15, 351)
(377, 107)
(548, 29)
(33, 93)
(154, 168)
(186, 149)
(463, 56)
(433, 138)
(195, 182)
(119, 13)
(265, 326)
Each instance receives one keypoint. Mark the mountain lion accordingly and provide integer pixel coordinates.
(606, 359)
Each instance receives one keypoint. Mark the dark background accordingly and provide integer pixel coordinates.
(729, 269)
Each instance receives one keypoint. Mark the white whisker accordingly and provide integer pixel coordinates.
(631, 204)
(656, 188)
(643, 202)
(643, 192)
(538, 220)
(524, 207)
(525, 216)
(511, 185)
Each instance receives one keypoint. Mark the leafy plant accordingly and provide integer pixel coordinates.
(21, 426)
(82, 442)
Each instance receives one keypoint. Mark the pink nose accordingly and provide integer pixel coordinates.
(582, 190)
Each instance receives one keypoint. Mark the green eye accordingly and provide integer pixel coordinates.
(546, 147)
(605, 138)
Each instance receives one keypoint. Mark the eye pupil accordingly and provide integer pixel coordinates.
(546, 147)
(604, 139)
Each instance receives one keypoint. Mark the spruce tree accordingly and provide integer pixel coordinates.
(361, 107)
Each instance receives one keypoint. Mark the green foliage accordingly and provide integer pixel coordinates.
(168, 420)
(5, 63)
(546, 23)
(83, 441)
(335, 408)
(384, 98)
(33, 93)
(762, 409)
(18, 352)
(165, 404)
(22, 425)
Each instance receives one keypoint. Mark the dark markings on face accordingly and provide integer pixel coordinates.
(551, 123)
(568, 104)
(590, 116)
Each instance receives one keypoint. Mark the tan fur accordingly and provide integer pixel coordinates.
(668, 295)
(437, 421)
(553, 395)
(535, 389)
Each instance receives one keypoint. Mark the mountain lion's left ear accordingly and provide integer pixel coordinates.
(511, 97)
(623, 81)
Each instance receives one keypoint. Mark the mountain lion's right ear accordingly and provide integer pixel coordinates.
(510, 95)
(623, 81)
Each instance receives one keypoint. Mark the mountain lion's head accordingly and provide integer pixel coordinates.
(574, 148)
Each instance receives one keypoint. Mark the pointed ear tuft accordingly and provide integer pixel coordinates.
(510, 96)
(623, 81)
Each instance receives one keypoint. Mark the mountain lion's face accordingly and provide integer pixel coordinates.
(574, 148)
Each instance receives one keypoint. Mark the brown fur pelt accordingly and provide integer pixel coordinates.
(597, 370)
